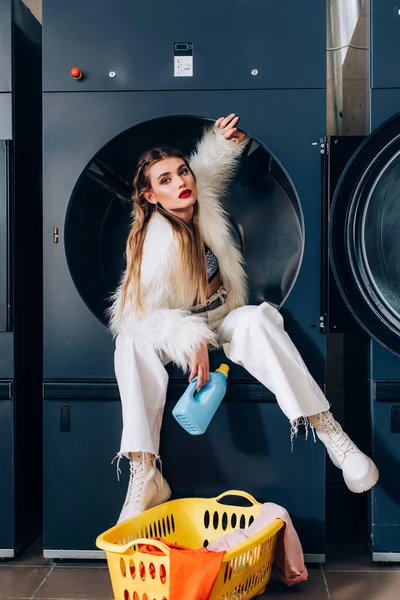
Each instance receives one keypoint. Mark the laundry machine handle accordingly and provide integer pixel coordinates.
(325, 198)
(6, 237)
(9, 208)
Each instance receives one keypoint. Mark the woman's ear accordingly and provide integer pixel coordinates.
(150, 197)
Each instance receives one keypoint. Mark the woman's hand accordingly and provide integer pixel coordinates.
(200, 366)
(227, 127)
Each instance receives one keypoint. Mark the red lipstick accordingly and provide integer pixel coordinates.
(185, 193)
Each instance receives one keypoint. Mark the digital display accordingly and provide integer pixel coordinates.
(183, 59)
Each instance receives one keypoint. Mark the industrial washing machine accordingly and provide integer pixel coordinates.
(364, 247)
(144, 75)
(20, 278)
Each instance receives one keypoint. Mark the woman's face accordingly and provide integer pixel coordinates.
(173, 186)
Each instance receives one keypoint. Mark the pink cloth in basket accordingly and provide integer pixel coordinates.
(289, 558)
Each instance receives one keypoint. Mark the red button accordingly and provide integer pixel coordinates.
(76, 73)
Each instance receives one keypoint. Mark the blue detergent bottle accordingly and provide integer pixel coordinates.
(194, 410)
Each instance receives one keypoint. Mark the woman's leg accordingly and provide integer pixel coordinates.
(142, 381)
(254, 337)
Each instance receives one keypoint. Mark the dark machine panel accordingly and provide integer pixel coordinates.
(241, 450)
(156, 74)
(385, 523)
(384, 104)
(7, 496)
(341, 149)
(90, 492)
(78, 350)
(385, 44)
(283, 50)
(20, 278)
(69, 349)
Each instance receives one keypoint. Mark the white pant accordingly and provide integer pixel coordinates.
(252, 336)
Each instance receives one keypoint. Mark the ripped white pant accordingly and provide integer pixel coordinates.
(251, 336)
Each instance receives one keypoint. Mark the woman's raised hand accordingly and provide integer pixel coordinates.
(227, 126)
(200, 366)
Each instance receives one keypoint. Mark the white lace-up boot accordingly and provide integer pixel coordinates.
(146, 488)
(359, 472)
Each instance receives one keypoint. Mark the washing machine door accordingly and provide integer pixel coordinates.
(364, 235)
(99, 217)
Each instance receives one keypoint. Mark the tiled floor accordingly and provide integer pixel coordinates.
(347, 575)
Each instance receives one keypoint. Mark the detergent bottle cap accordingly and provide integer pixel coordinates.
(224, 369)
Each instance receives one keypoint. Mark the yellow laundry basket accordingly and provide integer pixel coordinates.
(191, 522)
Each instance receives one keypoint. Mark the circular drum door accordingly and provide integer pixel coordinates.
(364, 235)
(262, 204)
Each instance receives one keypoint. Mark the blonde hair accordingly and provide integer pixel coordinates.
(191, 271)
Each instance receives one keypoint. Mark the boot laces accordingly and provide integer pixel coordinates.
(340, 440)
(135, 481)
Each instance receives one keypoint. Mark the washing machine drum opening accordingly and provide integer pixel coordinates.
(365, 235)
(262, 205)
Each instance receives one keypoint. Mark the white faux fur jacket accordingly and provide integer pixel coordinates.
(167, 321)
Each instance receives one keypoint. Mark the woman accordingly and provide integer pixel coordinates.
(184, 291)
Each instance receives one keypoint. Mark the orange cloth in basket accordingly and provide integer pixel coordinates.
(193, 573)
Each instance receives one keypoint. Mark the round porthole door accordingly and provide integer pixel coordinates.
(262, 204)
(364, 235)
